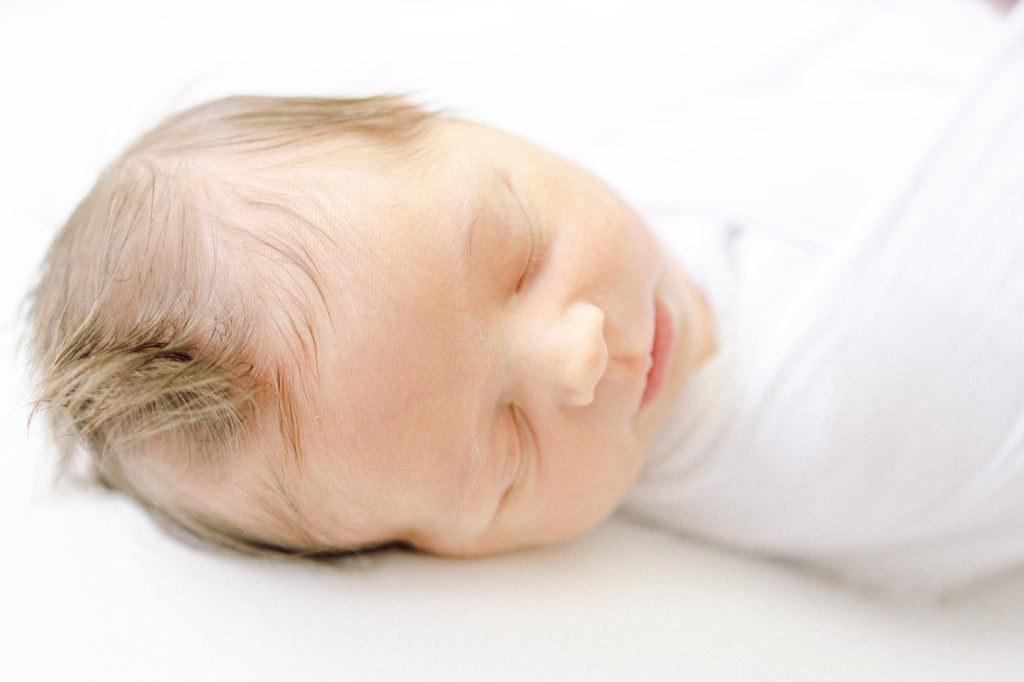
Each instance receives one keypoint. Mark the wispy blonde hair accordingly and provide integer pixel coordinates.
(148, 323)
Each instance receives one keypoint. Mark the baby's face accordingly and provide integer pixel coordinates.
(492, 369)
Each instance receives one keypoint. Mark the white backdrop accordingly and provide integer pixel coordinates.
(91, 590)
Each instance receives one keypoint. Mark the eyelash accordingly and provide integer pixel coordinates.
(536, 249)
(522, 426)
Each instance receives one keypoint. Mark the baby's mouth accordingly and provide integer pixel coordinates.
(661, 352)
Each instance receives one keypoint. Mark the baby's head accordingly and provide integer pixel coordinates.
(330, 325)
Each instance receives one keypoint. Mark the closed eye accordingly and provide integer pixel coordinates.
(524, 442)
(531, 261)
(535, 244)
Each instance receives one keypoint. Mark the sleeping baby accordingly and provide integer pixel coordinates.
(324, 326)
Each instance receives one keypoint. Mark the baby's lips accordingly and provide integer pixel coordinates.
(661, 353)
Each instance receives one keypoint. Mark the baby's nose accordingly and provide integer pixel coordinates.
(577, 353)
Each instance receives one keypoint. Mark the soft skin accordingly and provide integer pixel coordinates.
(481, 369)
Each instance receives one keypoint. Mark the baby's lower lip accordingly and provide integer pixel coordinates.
(661, 352)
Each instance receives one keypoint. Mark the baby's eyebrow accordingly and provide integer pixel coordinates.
(469, 221)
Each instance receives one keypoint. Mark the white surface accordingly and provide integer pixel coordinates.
(90, 590)
(116, 600)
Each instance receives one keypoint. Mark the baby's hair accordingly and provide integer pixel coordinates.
(150, 330)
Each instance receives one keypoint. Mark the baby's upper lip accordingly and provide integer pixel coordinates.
(634, 353)
(637, 354)
(662, 342)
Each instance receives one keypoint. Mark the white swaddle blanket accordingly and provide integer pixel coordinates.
(870, 419)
